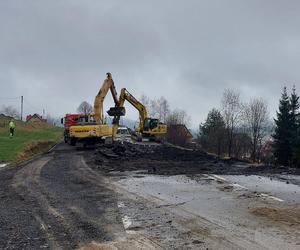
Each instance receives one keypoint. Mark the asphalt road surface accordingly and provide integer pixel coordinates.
(62, 200)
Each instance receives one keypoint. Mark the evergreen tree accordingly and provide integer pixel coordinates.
(296, 147)
(295, 127)
(282, 136)
(212, 132)
(294, 109)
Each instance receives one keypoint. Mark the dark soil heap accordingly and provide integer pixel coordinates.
(154, 158)
(170, 160)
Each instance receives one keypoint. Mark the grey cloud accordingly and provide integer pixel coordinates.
(56, 53)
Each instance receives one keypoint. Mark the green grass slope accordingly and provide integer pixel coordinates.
(26, 134)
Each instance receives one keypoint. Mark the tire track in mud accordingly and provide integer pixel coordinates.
(26, 184)
(69, 204)
(174, 227)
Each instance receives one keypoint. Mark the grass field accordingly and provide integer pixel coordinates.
(25, 135)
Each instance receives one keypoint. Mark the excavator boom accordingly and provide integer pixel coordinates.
(125, 95)
(107, 85)
(147, 126)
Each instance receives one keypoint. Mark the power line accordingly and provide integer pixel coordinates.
(33, 107)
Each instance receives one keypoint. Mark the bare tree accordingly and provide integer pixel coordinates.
(164, 109)
(85, 108)
(153, 110)
(178, 116)
(256, 117)
(9, 111)
(145, 101)
(231, 109)
(156, 108)
(151, 106)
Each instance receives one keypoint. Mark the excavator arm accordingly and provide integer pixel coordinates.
(125, 95)
(147, 126)
(107, 85)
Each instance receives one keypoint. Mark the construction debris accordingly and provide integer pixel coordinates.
(153, 157)
(170, 160)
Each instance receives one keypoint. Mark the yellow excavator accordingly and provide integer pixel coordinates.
(150, 128)
(95, 128)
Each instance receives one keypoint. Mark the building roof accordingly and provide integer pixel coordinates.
(182, 128)
(35, 117)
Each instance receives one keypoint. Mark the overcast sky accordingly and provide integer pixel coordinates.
(56, 53)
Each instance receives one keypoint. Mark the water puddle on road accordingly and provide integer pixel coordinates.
(198, 195)
(280, 189)
(213, 202)
(212, 196)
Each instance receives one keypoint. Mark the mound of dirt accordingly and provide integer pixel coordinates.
(171, 160)
(152, 151)
(154, 158)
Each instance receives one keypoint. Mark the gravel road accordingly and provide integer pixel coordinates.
(66, 199)
(56, 202)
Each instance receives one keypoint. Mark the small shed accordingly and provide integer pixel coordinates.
(179, 134)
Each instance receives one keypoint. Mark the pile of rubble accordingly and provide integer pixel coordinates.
(154, 158)
(128, 150)
(124, 149)
(170, 160)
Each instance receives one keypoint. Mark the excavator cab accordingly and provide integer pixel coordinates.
(150, 124)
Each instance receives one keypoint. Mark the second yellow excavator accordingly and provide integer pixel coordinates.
(148, 127)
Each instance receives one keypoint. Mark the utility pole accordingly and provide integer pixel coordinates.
(22, 99)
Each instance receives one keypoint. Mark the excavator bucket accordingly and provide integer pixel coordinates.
(116, 111)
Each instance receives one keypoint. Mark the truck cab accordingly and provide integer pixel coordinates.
(71, 120)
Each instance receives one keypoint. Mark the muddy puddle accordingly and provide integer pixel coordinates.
(218, 204)
(218, 197)
(200, 196)
(283, 190)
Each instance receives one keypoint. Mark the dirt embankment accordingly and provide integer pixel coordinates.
(168, 160)
(35, 148)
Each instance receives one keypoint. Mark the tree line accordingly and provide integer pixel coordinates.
(244, 130)
(238, 129)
